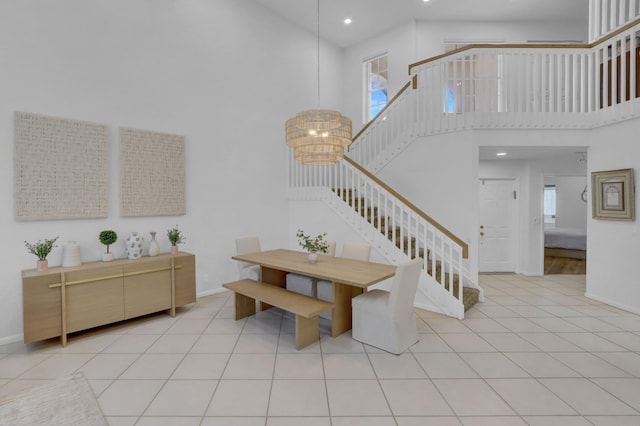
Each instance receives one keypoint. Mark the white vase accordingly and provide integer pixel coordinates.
(134, 246)
(71, 254)
(313, 257)
(154, 247)
(107, 257)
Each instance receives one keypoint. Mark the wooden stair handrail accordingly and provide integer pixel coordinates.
(439, 227)
(412, 83)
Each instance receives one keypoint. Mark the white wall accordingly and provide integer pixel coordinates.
(437, 175)
(613, 246)
(571, 210)
(226, 74)
(399, 44)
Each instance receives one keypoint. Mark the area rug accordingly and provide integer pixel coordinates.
(67, 401)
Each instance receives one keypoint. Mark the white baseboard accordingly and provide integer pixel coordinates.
(211, 292)
(613, 303)
(11, 339)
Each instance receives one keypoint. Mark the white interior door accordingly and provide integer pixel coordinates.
(498, 244)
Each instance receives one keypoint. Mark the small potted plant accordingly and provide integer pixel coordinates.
(41, 250)
(312, 244)
(175, 237)
(107, 238)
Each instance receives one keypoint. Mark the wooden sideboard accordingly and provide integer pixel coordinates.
(64, 300)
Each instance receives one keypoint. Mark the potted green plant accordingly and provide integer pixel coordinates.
(175, 237)
(312, 244)
(107, 237)
(41, 250)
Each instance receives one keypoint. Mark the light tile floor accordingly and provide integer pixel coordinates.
(536, 352)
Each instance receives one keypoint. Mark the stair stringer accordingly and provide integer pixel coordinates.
(430, 294)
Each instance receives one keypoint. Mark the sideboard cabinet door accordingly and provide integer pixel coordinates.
(41, 307)
(93, 297)
(185, 278)
(147, 287)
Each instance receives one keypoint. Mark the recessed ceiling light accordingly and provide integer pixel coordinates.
(425, 1)
(347, 21)
(501, 154)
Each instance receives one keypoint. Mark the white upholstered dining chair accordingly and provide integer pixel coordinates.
(247, 245)
(350, 250)
(308, 285)
(386, 319)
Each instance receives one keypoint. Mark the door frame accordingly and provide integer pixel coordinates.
(541, 215)
(516, 219)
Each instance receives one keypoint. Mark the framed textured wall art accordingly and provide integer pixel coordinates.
(613, 195)
(60, 168)
(152, 173)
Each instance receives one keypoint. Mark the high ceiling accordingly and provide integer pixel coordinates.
(372, 17)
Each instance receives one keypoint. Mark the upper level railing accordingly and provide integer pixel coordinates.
(534, 78)
(607, 16)
(509, 86)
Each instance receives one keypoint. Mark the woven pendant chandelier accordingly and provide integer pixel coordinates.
(318, 136)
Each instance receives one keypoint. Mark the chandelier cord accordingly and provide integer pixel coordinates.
(318, 137)
(318, 58)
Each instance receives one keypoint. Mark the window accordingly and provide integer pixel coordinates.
(458, 90)
(549, 204)
(375, 93)
(472, 81)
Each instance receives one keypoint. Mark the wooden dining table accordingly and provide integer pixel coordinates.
(348, 277)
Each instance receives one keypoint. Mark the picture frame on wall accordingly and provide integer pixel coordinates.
(613, 195)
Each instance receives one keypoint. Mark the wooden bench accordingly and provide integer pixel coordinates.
(306, 309)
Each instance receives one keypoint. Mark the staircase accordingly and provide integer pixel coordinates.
(493, 87)
(408, 245)
(396, 229)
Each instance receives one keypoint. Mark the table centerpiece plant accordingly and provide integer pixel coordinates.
(312, 244)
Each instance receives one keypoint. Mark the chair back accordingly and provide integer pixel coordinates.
(403, 288)
(356, 251)
(247, 245)
(331, 250)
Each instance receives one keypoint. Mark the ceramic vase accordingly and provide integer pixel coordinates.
(134, 246)
(42, 265)
(107, 257)
(174, 249)
(154, 247)
(71, 254)
(313, 257)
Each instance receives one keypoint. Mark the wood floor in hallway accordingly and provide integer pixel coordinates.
(564, 265)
